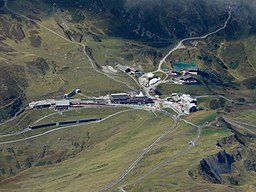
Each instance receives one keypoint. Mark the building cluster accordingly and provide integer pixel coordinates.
(183, 103)
(185, 76)
(129, 70)
(126, 99)
(188, 80)
(42, 104)
(119, 98)
(50, 103)
(150, 80)
(65, 104)
(190, 71)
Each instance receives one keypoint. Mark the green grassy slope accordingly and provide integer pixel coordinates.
(37, 64)
(114, 146)
(110, 147)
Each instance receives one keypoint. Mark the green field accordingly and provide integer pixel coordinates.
(112, 146)
(107, 150)
(172, 175)
(79, 114)
(47, 63)
(200, 117)
(194, 90)
(22, 121)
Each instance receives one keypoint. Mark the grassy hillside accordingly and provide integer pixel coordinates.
(46, 59)
(37, 63)
(108, 148)
(113, 146)
(227, 66)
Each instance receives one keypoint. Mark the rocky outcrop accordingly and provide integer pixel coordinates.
(5, 48)
(230, 167)
(11, 30)
(214, 166)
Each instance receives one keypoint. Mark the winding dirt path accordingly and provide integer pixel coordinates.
(180, 44)
(72, 42)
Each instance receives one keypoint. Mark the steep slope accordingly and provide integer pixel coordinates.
(44, 58)
(234, 164)
(166, 20)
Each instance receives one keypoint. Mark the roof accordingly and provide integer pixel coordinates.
(119, 94)
(191, 105)
(133, 69)
(176, 98)
(140, 95)
(193, 69)
(44, 102)
(187, 98)
(154, 80)
(122, 67)
(112, 69)
(187, 77)
(184, 77)
(139, 99)
(150, 75)
(61, 103)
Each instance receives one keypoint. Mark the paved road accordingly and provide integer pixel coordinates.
(191, 144)
(243, 123)
(61, 128)
(175, 118)
(180, 44)
(131, 107)
(4, 106)
(122, 189)
(139, 158)
(68, 40)
(229, 100)
(167, 160)
(146, 90)
(15, 134)
(44, 117)
(239, 124)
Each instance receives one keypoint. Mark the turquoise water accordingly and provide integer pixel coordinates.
(181, 65)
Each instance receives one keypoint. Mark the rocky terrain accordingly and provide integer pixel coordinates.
(166, 22)
(233, 164)
(37, 64)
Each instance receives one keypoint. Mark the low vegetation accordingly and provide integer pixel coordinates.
(37, 63)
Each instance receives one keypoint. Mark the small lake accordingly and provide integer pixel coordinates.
(181, 65)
